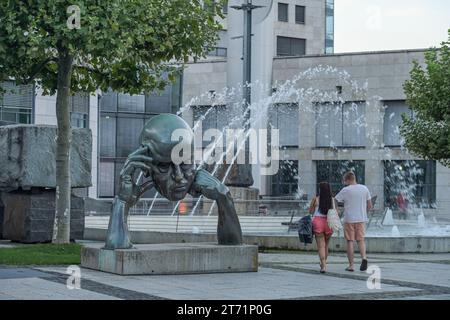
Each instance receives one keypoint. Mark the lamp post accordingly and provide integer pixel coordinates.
(247, 8)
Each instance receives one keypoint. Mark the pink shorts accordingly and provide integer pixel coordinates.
(320, 226)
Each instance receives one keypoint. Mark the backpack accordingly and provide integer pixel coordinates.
(305, 229)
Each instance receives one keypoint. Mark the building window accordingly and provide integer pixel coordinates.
(106, 179)
(78, 120)
(15, 115)
(217, 52)
(329, 27)
(16, 103)
(332, 171)
(341, 125)
(108, 135)
(283, 12)
(410, 183)
(393, 120)
(212, 117)
(300, 14)
(131, 103)
(79, 110)
(285, 117)
(290, 46)
(128, 132)
(285, 182)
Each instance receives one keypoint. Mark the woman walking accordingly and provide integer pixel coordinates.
(319, 207)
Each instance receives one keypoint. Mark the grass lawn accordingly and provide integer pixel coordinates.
(41, 254)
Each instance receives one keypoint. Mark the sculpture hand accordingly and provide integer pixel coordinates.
(228, 227)
(209, 186)
(129, 191)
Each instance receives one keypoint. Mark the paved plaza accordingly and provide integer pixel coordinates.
(282, 275)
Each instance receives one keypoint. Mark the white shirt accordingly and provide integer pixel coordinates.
(354, 197)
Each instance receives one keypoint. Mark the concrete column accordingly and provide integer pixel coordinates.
(374, 172)
(307, 142)
(94, 126)
(442, 192)
(374, 167)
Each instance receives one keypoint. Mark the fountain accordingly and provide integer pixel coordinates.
(388, 218)
(421, 220)
(404, 214)
(395, 232)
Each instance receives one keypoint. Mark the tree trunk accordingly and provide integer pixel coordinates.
(61, 230)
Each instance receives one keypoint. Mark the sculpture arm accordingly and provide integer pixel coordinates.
(117, 236)
(228, 228)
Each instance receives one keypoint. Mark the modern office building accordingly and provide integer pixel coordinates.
(289, 37)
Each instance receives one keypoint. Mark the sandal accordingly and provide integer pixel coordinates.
(363, 265)
(349, 269)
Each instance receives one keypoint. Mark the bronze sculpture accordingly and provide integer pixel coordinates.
(171, 180)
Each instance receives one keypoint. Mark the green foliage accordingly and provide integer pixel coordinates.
(427, 134)
(41, 254)
(123, 44)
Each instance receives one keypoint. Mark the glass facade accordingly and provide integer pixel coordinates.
(393, 120)
(332, 171)
(341, 125)
(16, 103)
(285, 118)
(329, 27)
(121, 119)
(285, 182)
(212, 117)
(410, 183)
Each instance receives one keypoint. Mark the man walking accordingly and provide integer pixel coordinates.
(356, 199)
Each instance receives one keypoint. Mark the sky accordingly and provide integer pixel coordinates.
(373, 25)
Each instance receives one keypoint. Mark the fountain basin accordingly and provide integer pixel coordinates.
(374, 244)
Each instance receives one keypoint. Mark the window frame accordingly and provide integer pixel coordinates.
(428, 165)
(304, 15)
(351, 164)
(343, 145)
(285, 6)
(290, 54)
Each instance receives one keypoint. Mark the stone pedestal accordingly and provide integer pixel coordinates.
(171, 258)
(28, 217)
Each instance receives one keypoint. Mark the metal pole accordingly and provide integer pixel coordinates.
(247, 63)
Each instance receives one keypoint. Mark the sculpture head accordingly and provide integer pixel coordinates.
(172, 179)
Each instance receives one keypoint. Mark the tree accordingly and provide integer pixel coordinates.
(85, 45)
(427, 133)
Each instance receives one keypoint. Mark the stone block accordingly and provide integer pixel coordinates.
(27, 157)
(29, 216)
(171, 258)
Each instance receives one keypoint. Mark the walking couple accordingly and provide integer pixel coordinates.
(356, 199)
